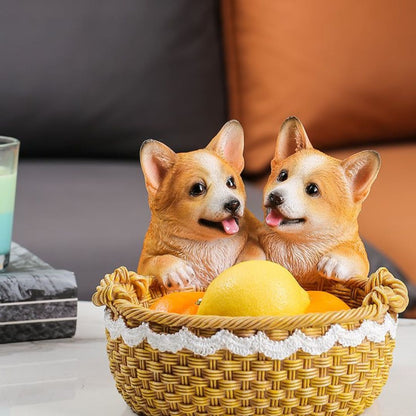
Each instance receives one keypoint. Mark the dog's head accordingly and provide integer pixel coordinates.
(310, 194)
(199, 195)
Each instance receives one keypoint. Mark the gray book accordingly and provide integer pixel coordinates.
(36, 300)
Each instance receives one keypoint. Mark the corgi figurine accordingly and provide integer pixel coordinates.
(312, 202)
(198, 225)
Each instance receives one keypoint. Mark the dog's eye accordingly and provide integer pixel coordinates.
(231, 183)
(197, 189)
(312, 189)
(283, 175)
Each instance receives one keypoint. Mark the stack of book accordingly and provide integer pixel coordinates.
(36, 300)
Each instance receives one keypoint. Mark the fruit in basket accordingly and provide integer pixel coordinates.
(254, 288)
(178, 302)
(324, 302)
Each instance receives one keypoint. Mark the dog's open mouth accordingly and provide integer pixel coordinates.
(275, 218)
(230, 225)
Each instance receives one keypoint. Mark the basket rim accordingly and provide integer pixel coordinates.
(258, 342)
(134, 314)
(382, 293)
(141, 314)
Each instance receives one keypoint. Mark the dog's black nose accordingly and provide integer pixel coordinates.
(232, 206)
(276, 199)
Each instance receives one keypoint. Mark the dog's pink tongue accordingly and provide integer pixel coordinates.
(230, 226)
(273, 218)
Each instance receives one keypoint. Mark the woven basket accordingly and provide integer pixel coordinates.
(344, 380)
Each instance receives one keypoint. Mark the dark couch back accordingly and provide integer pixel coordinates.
(91, 78)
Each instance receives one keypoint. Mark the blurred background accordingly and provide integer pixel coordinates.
(83, 83)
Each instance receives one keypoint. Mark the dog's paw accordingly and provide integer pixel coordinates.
(178, 276)
(335, 266)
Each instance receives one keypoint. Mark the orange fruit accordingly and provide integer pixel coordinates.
(178, 302)
(324, 302)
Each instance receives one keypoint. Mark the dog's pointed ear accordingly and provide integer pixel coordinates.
(229, 144)
(156, 159)
(361, 170)
(292, 138)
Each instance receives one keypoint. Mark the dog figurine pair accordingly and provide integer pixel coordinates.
(199, 224)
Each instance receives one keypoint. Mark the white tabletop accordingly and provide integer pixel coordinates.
(71, 376)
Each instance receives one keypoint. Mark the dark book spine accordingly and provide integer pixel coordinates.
(36, 305)
(35, 320)
(33, 331)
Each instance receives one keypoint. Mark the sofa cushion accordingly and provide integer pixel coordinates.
(88, 78)
(346, 69)
(388, 217)
(91, 217)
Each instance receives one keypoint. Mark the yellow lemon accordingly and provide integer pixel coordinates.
(254, 288)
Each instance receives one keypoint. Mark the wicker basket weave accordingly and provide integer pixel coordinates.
(341, 381)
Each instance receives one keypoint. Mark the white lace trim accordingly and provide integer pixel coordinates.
(259, 342)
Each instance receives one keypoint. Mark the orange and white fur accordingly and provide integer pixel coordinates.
(312, 202)
(198, 225)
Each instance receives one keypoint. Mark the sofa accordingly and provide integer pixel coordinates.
(84, 83)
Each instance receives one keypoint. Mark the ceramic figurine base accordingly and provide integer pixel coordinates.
(36, 301)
